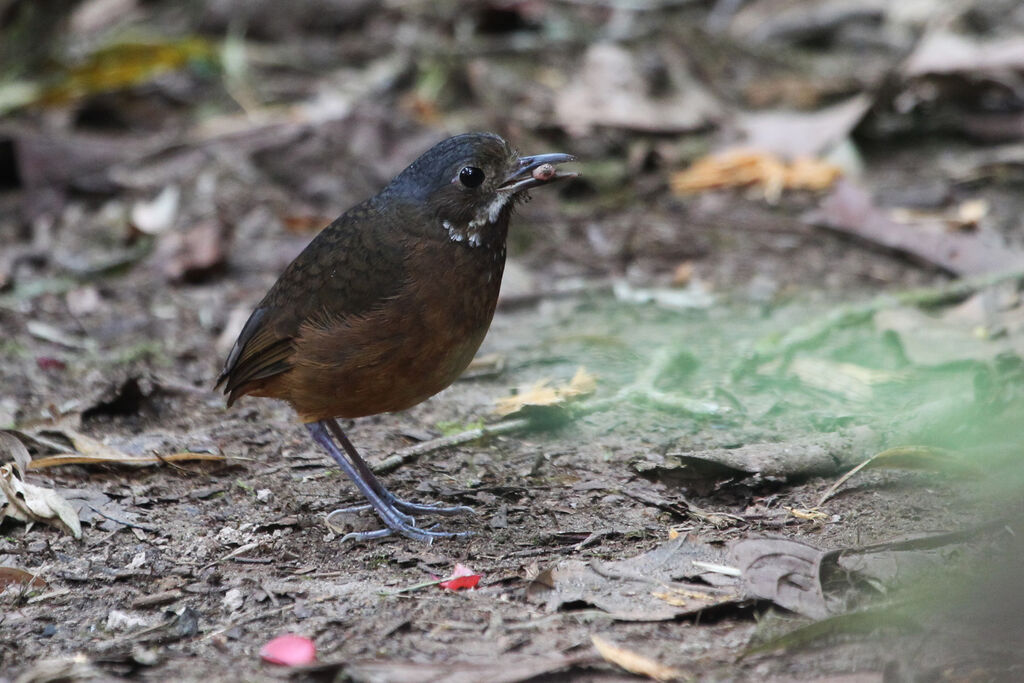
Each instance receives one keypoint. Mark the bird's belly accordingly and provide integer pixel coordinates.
(399, 355)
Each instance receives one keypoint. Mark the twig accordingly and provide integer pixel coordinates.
(409, 454)
(642, 390)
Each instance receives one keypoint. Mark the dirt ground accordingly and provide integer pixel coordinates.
(749, 343)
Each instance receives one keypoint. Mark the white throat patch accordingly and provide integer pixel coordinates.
(473, 232)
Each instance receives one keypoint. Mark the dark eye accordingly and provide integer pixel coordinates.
(471, 176)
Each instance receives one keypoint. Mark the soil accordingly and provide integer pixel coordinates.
(237, 551)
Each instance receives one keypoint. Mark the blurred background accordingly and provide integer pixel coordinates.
(795, 218)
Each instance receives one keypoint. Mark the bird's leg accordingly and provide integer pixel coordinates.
(370, 478)
(394, 520)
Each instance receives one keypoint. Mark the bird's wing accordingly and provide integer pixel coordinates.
(351, 267)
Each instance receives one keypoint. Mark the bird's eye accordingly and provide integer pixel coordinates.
(471, 176)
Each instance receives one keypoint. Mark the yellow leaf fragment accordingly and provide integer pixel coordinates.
(681, 597)
(812, 514)
(633, 662)
(754, 168)
(543, 393)
(124, 65)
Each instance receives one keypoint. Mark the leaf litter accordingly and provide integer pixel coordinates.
(771, 399)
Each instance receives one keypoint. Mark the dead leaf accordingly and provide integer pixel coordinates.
(543, 394)
(13, 450)
(126, 64)
(12, 575)
(816, 454)
(634, 662)
(121, 459)
(610, 90)
(632, 589)
(194, 254)
(851, 210)
(31, 503)
(754, 168)
(783, 571)
(802, 135)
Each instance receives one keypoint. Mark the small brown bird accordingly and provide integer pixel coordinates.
(389, 303)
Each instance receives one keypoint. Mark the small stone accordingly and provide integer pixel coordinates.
(119, 620)
(233, 600)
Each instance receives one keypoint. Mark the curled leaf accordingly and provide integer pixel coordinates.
(31, 503)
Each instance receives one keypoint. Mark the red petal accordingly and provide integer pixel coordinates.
(463, 577)
(50, 363)
(289, 650)
(461, 582)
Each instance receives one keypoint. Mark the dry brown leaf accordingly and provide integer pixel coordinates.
(750, 167)
(14, 575)
(13, 450)
(633, 662)
(90, 451)
(31, 503)
(542, 393)
(122, 459)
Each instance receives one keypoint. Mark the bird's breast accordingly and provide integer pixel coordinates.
(410, 347)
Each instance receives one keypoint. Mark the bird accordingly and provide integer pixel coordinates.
(388, 304)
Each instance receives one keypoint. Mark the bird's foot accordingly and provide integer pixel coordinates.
(401, 520)
(409, 531)
(410, 508)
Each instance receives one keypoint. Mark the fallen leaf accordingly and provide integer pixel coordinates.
(12, 575)
(124, 65)
(462, 577)
(13, 450)
(802, 135)
(542, 393)
(755, 168)
(289, 650)
(815, 454)
(610, 90)
(851, 210)
(31, 503)
(634, 589)
(121, 459)
(194, 254)
(634, 662)
(786, 572)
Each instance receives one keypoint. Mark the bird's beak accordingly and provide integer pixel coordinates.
(537, 170)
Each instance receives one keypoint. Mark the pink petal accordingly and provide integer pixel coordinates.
(289, 650)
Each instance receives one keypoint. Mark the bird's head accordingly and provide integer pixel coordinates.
(468, 184)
